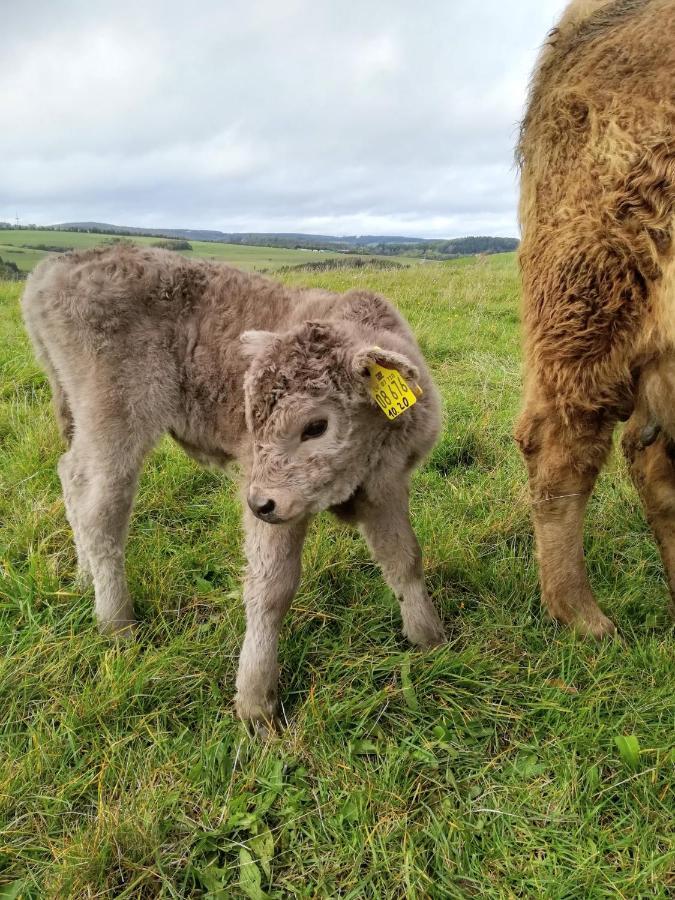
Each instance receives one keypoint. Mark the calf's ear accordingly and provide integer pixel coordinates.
(254, 342)
(365, 357)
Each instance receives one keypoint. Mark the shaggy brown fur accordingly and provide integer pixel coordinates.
(597, 209)
(137, 343)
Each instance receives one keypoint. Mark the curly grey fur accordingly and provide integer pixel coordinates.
(139, 342)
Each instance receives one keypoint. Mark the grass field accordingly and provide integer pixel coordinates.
(19, 247)
(487, 768)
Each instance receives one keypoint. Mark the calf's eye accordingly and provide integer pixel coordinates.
(314, 429)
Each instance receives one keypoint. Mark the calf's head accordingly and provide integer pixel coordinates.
(314, 425)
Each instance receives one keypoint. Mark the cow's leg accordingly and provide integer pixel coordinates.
(650, 453)
(101, 473)
(563, 460)
(273, 554)
(385, 525)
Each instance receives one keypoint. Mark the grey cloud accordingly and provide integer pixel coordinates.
(316, 116)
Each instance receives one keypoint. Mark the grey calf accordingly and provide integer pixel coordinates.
(138, 343)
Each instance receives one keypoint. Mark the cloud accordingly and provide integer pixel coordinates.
(308, 115)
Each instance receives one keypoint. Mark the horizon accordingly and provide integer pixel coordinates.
(56, 226)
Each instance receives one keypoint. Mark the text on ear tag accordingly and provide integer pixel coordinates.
(391, 391)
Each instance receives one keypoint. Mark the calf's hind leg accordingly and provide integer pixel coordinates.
(72, 484)
(563, 460)
(102, 469)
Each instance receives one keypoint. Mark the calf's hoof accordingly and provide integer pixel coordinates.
(119, 629)
(424, 631)
(259, 716)
(428, 639)
(261, 731)
(83, 579)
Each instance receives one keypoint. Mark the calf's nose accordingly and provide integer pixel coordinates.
(262, 507)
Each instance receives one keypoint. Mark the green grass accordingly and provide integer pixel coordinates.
(18, 247)
(488, 768)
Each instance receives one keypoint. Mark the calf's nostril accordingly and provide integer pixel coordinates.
(261, 506)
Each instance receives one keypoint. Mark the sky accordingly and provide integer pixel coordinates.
(319, 116)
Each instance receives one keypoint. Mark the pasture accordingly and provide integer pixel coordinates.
(517, 761)
(23, 248)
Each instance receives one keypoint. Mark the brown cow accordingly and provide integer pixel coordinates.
(597, 153)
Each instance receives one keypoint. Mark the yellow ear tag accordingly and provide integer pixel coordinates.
(391, 391)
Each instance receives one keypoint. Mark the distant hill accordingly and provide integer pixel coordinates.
(383, 245)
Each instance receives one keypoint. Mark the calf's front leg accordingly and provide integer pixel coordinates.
(273, 554)
(385, 524)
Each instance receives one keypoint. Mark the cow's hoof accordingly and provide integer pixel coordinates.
(590, 623)
(597, 626)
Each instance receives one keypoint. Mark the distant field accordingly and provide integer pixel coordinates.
(15, 246)
(487, 768)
